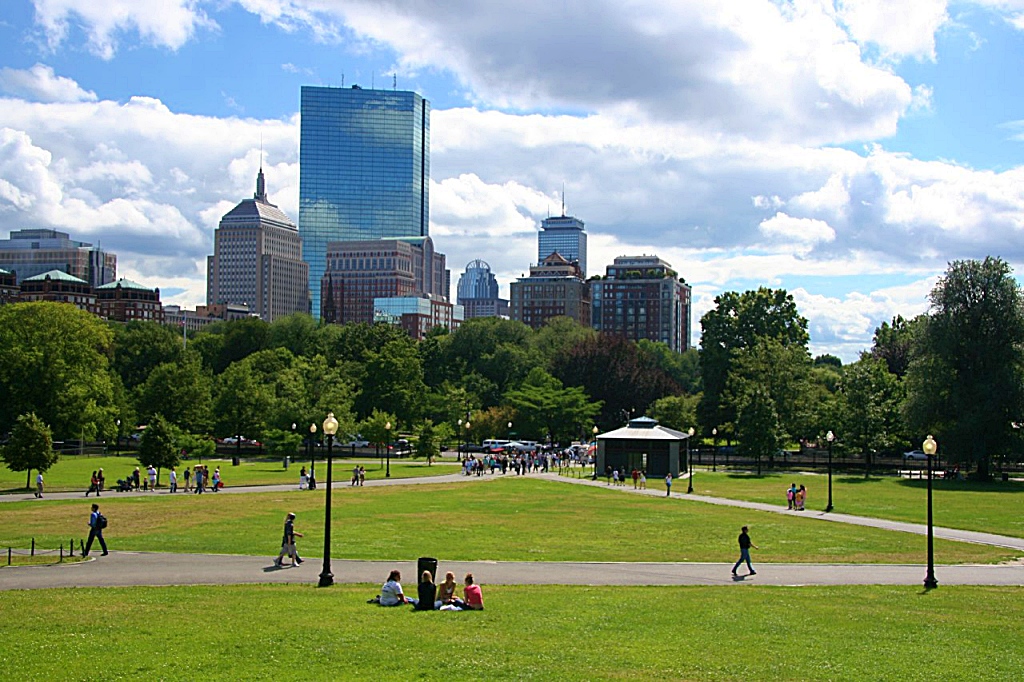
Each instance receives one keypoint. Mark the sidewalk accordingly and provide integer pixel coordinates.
(123, 569)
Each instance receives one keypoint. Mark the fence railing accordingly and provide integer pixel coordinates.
(34, 550)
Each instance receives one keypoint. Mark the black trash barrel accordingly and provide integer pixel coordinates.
(234, 461)
(426, 564)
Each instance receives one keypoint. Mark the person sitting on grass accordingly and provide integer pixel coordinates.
(391, 592)
(474, 600)
(446, 590)
(427, 593)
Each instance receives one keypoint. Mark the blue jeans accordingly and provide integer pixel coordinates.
(744, 556)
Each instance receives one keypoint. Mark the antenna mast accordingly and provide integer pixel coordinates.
(394, 81)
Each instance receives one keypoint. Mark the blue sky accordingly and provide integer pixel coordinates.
(843, 149)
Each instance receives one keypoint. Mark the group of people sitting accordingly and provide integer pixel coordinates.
(431, 597)
(796, 497)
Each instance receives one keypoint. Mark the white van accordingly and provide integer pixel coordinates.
(494, 443)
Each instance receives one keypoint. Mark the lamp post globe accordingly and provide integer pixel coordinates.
(930, 447)
(458, 434)
(830, 437)
(312, 457)
(689, 461)
(387, 473)
(714, 449)
(595, 431)
(330, 426)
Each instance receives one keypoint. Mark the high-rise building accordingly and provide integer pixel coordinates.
(563, 235)
(418, 315)
(257, 260)
(642, 297)
(364, 170)
(478, 292)
(554, 288)
(363, 270)
(9, 290)
(33, 252)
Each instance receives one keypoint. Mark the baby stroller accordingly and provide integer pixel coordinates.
(124, 486)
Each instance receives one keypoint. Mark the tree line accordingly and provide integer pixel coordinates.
(955, 371)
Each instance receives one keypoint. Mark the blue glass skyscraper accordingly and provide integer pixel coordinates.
(364, 170)
(563, 235)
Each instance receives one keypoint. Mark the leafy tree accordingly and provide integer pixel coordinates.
(736, 322)
(544, 406)
(683, 368)
(394, 380)
(281, 443)
(677, 412)
(829, 360)
(426, 441)
(757, 425)
(140, 347)
(374, 428)
(182, 391)
(54, 363)
(30, 447)
(196, 445)
(615, 374)
(294, 332)
(491, 422)
(242, 402)
(159, 445)
(224, 343)
(894, 344)
(558, 336)
(872, 398)
(964, 382)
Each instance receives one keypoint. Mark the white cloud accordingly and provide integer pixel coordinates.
(798, 232)
(166, 23)
(41, 84)
(900, 28)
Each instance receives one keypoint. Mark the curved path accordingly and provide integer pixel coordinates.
(145, 568)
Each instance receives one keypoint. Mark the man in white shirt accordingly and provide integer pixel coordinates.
(151, 471)
(39, 484)
(174, 480)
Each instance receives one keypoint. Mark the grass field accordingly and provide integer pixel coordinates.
(519, 519)
(72, 472)
(534, 633)
(993, 507)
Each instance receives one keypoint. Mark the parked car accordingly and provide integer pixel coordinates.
(356, 441)
(915, 454)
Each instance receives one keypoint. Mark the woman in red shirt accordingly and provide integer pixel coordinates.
(474, 599)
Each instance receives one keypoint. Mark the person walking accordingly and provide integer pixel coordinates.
(668, 484)
(100, 481)
(303, 479)
(173, 478)
(199, 480)
(745, 545)
(288, 542)
(97, 522)
(188, 479)
(151, 474)
(39, 484)
(92, 485)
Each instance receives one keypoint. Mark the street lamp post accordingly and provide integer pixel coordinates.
(509, 432)
(689, 460)
(596, 431)
(326, 577)
(829, 437)
(714, 449)
(117, 436)
(312, 459)
(387, 427)
(458, 434)
(930, 447)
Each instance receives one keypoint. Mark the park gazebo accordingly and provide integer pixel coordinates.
(643, 445)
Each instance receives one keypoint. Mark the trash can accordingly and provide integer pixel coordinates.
(234, 461)
(287, 461)
(426, 564)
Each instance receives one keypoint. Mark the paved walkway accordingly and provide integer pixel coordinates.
(144, 568)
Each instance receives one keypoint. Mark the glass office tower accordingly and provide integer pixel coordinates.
(563, 235)
(364, 170)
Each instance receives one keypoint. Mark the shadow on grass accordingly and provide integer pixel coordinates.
(942, 484)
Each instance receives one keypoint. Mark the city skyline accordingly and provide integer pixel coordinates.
(845, 151)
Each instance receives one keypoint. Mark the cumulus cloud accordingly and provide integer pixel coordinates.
(39, 83)
(800, 233)
(900, 28)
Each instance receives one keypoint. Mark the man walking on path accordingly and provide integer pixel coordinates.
(288, 542)
(96, 524)
(668, 484)
(745, 545)
(39, 484)
(173, 480)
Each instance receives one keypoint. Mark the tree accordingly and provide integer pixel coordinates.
(394, 380)
(182, 391)
(736, 322)
(894, 344)
(545, 407)
(30, 447)
(54, 363)
(242, 402)
(757, 425)
(677, 412)
(683, 368)
(374, 428)
(426, 441)
(140, 347)
(159, 445)
(873, 400)
(964, 381)
(558, 336)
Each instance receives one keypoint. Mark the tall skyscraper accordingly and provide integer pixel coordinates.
(563, 235)
(478, 292)
(33, 252)
(257, 260)
(364, 170)
(642, 297)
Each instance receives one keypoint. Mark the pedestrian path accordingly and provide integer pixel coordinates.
(126, 569)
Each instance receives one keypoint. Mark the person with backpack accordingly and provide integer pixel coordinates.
(97, 522)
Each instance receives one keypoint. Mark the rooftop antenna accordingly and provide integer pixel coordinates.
(372, 75)
(342, 79)
(394, 80)
(563, 198)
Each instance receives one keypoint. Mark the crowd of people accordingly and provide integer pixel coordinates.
(522, 463)
(796, 497)
(204, 480)
(431, 597)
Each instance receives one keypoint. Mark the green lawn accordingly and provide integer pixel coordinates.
(535, 632)
(73, 472)
(512, 518)
(993, 507)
